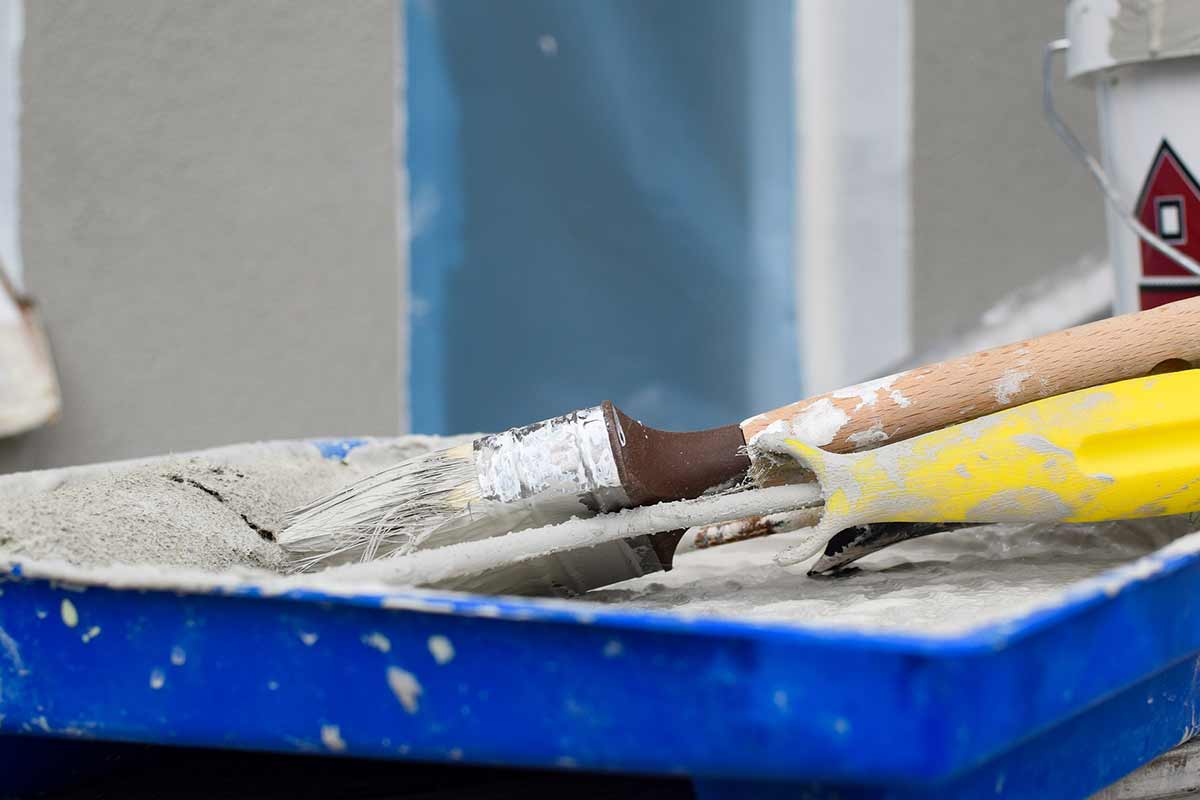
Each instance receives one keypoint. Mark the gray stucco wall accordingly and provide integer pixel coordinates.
(208, 219)
(997, 200)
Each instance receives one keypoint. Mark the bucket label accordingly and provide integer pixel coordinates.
(1169, 205)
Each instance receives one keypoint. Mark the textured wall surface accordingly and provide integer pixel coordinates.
(997, 199)
(208, 209)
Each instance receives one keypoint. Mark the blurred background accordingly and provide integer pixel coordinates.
(264, 220)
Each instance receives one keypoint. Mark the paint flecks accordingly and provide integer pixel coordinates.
(178, 656)
(378, 641)
(819, 423)
(781, 699)
(12, 651)
(90, 633)
(773, 438)
(273, 686)
(308, 638)
(963, 472)
(157, 678)
(841, 726)
(331, 737)
(406, 687)
(613, 648)
(1094, 399)
(864, 440)
(70, 616)
(1040, 444)
(41, 613)
(868, 392)
(1009, 384)
(1023, 505)
(441, 649)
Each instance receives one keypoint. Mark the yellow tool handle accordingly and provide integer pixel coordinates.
(1124, 450)
(928, 398)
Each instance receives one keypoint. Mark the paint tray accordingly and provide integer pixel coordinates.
(1059, 702)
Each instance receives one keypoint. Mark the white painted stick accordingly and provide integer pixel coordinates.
(431, 567)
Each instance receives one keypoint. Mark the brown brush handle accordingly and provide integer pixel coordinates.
(931, 397)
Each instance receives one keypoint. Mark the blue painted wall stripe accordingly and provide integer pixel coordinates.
(602, 197)
(435, 211)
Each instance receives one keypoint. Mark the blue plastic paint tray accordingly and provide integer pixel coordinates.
(1058, 703)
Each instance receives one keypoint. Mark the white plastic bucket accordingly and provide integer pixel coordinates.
(1143, 59)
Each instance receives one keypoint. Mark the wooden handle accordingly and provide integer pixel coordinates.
(927, 398)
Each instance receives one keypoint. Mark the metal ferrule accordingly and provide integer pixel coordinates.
(568, 456)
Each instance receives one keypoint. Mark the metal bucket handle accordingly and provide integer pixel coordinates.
(1094, 167)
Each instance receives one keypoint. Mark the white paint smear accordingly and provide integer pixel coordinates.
(441, 649)
(871, 437)
(819, 423)
(406, 687)
(377, 641)
(70, 616)
(331, 737)
(868, 392)
(1008, 384)
(12, 651)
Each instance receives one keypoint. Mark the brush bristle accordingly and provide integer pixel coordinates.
(388, 512)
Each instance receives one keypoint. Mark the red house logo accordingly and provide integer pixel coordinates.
(1169, 205)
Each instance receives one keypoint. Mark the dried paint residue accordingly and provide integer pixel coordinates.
(818, 424)
(377, 641)
(868, 392)
(406, 687)
(941, 585)
(1008, 385)
(331, 737)
(70, 616)
(441, 649)
(871, 437)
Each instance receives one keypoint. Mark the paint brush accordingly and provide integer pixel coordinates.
(1065, 458)
(600, 459)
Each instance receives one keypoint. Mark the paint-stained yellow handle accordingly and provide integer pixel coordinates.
(1124, 450)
